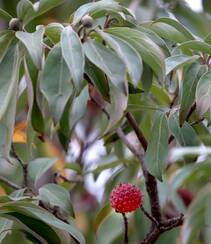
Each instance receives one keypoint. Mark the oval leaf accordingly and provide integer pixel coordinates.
(33, 43)
(55, 83)
(150, 52)
(128, 55)
(192, 76)
(101, 216)
(56, 196)
(203, 94)
(108, 62)
(158, 146)
(38, 167)
(174, 62)
(73, 54)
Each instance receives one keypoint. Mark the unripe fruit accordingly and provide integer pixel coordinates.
(87, 21)
(126, 198)
(15, 24)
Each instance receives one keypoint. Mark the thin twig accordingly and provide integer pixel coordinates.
(137, 130)
(126, 240)
(10, 183)
(130, 146)
(149, 216)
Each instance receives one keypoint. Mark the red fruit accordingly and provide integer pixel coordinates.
(186, 195)
(126, 198)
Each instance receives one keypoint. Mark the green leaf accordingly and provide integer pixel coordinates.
(33, 43)
(116, 109)
(158, 146)
(160, 94)
(99, 79)
(56, 196)
(102, 215)
(9, 69)
(8, 80)
(185, 135)
(199, 46)
(18, 195)
(46, 5)
(78, 108)
(177, 25)
(192, 76)
(41, 232)
(147, 78)
(5, 227)
(96, 7)
(170, 29)
(73, 55)
(4, 15)
(53, 32)
(155, 38)
(33, 211)
(197, 220)
(197, 22)
(150, 52)
(109, 165)
(128, 54)
(206, 6)
(6, 38)
(207, 39)
(38, 167)
(108, 62)
(197, 174)
(27, 11)
(75, 167)
(55, 83)
(203, 94)
(174, 62)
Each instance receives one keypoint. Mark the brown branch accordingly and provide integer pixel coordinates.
(152, 236)
(163, 226)
(172, 223)
(158, 225)
(150, 181)
(138, 132)
(149, 216)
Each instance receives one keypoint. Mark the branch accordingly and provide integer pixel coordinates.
(138, 132)
(164, 226)
(10, 183)
(158, 225)
(152, 236)
(130, 146)
(150, 181)
(153, 220)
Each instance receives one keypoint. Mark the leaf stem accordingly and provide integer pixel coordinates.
(126, 239)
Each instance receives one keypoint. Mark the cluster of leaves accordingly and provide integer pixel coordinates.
(105, 64)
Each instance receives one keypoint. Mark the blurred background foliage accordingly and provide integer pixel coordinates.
(89, 196)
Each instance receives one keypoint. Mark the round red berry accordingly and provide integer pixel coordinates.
(126, 198)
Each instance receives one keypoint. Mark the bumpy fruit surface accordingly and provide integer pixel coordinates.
(126, 198)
